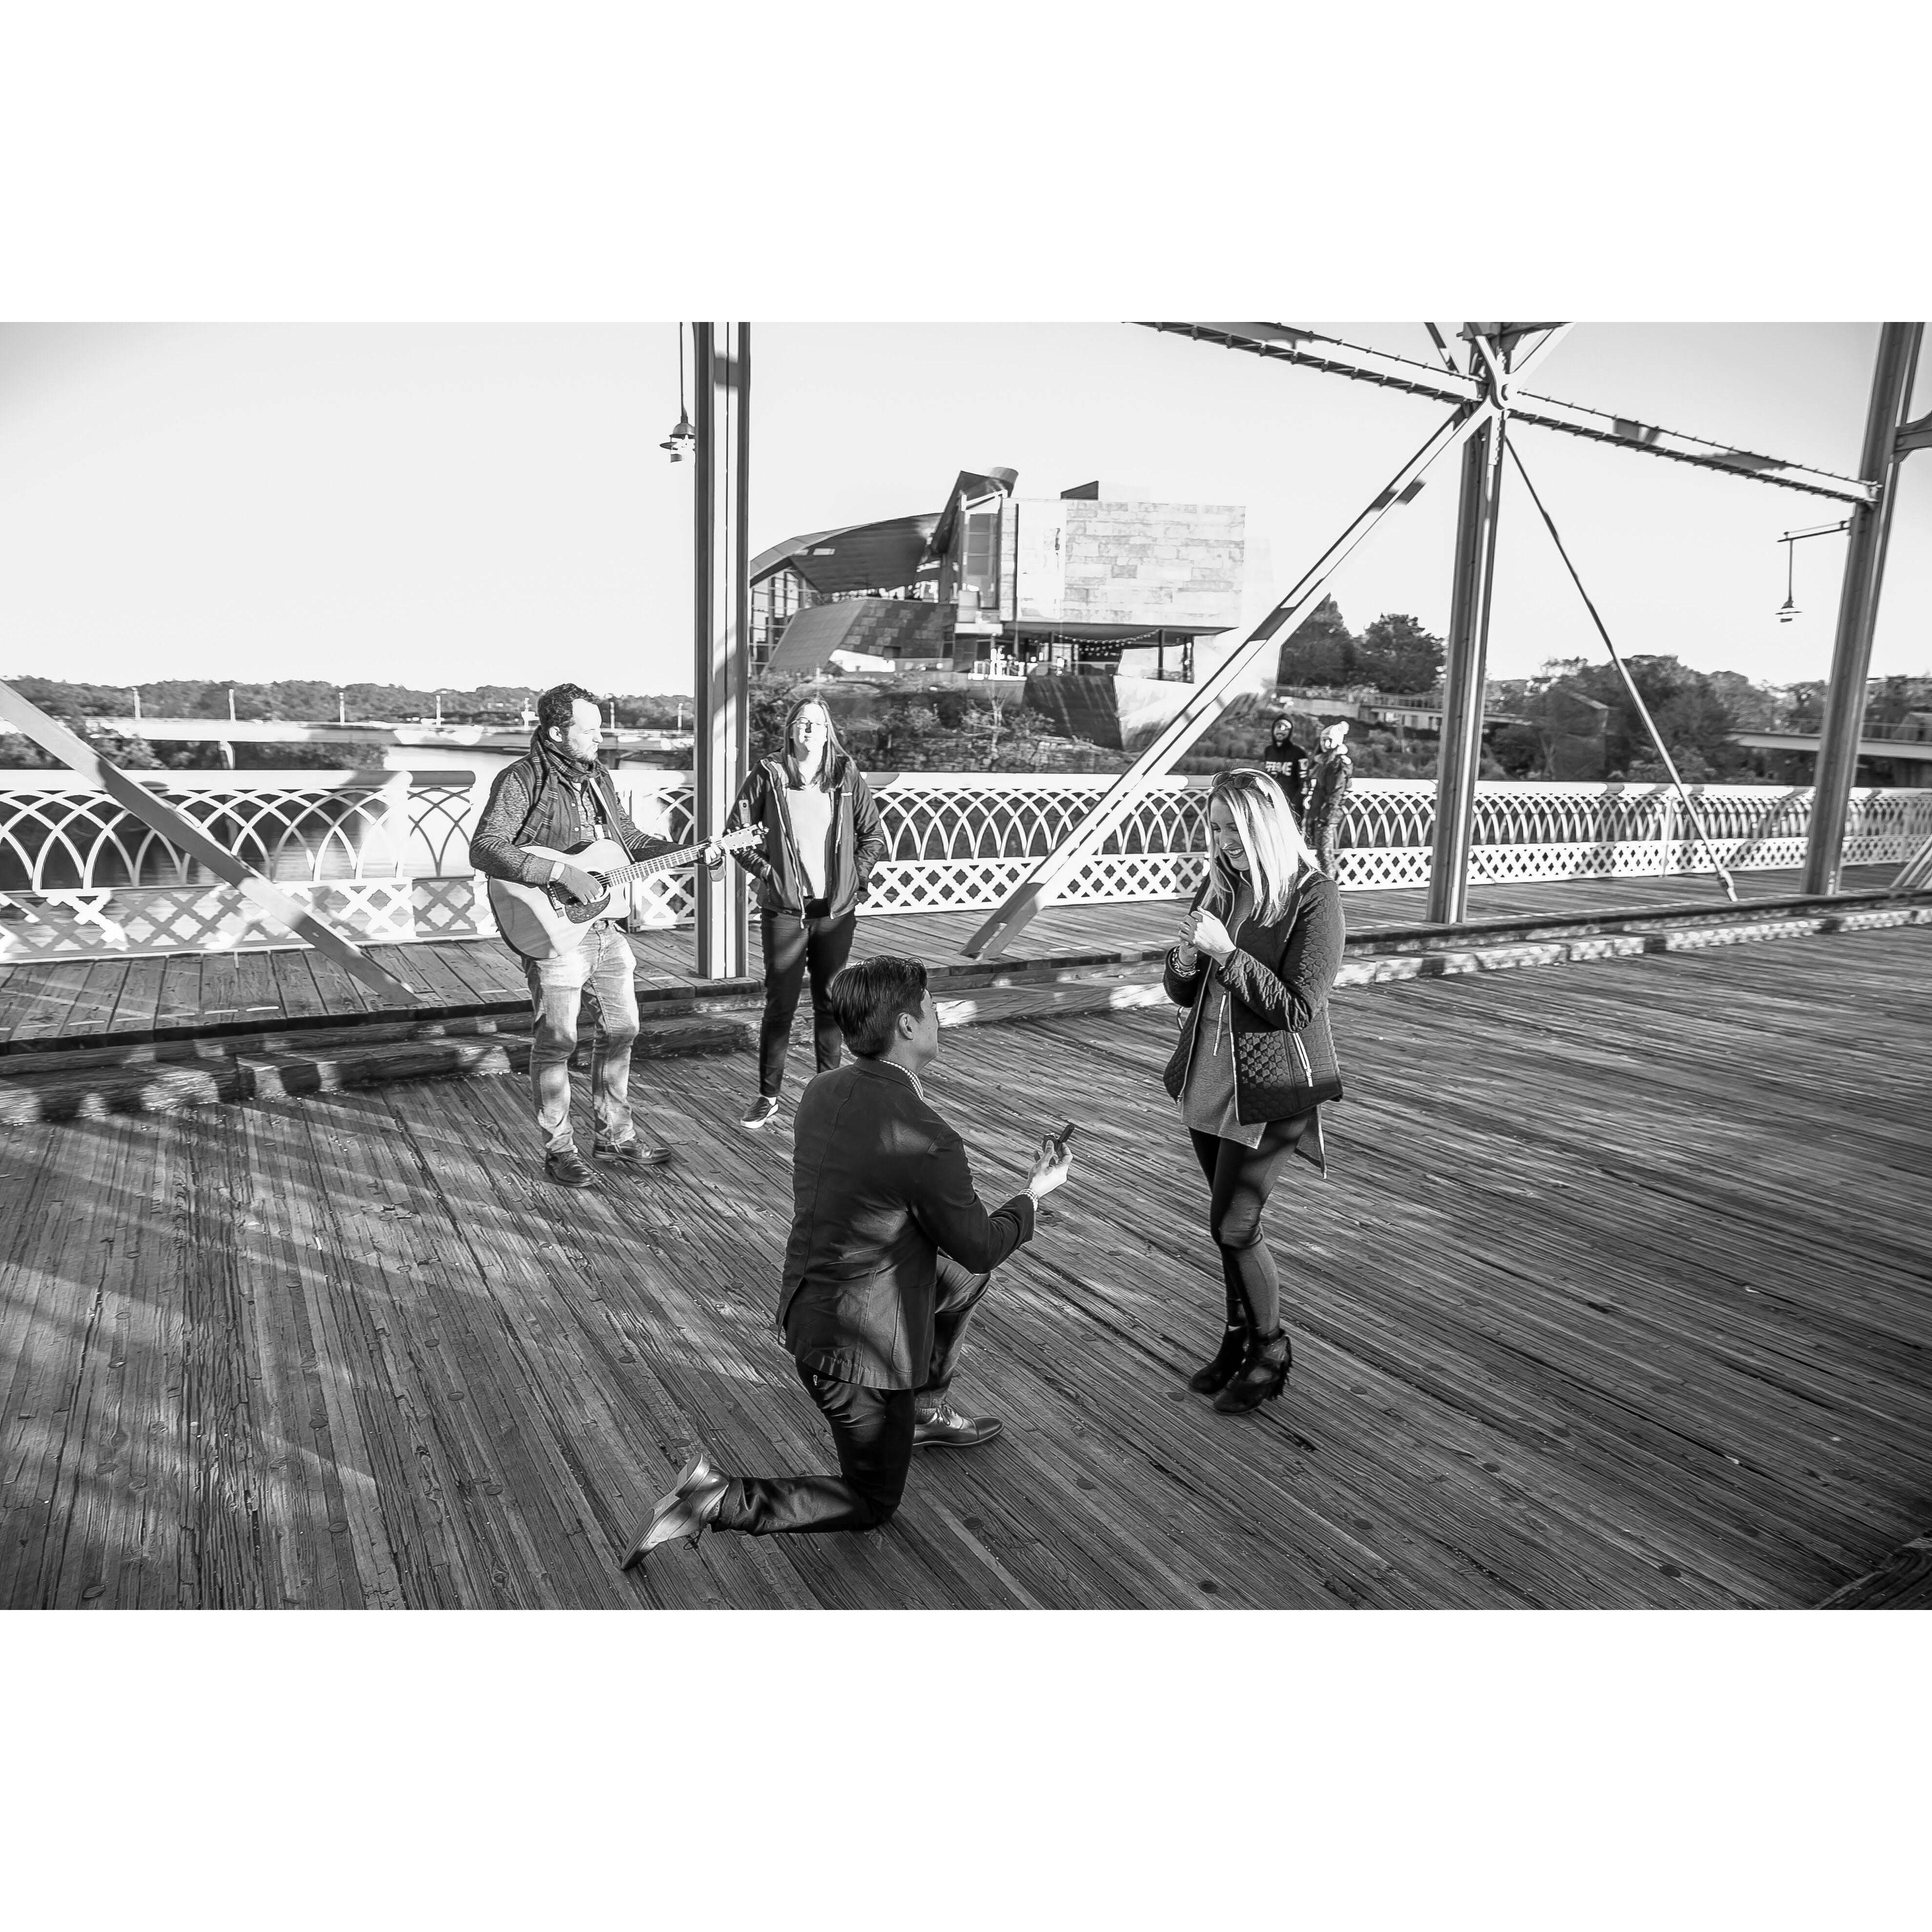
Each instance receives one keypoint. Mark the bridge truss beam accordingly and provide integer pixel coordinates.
(720, 613)
(1043, 884)
(1282, 342)
(1465, 668)
(1888, 438)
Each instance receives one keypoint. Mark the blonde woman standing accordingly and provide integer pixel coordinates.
(1257, 953)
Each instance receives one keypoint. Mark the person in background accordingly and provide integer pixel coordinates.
(1328, 794)
(1286, 762)
(889, 1250)
(1257, 954)
(822, 839)
(560, 796)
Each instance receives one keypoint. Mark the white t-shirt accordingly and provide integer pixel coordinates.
(810, 809)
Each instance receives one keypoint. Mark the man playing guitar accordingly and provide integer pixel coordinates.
(561, 799)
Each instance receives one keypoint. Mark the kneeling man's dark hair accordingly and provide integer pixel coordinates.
(868, 997)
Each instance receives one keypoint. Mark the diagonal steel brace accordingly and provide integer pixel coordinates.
(75, 752)
(1042, 886)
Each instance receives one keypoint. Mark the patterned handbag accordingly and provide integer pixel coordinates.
(1281, 1073)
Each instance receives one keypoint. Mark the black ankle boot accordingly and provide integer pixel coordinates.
(1269, 1359)
(1226, 1364)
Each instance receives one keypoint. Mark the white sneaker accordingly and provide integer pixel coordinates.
(761, 1110)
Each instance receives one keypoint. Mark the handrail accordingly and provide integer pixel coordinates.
(386, 852)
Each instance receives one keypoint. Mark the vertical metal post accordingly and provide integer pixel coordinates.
(1857, 607)
(720, 686)
(1463, 672)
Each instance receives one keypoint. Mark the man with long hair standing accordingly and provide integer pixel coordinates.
(822, 839)
(1258, 951)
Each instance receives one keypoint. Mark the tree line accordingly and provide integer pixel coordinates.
(290, 700)
(1575, 716)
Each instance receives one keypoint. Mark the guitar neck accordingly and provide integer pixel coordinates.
(643, 867)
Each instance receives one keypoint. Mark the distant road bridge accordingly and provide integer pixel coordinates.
(514, 738)
(1911, 746)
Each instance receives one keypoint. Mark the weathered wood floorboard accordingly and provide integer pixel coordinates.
(45, 999)
(1617, 1296)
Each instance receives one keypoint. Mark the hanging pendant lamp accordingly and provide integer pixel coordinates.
(682, 438)
(1789, 609)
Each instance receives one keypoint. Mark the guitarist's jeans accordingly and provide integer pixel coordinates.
(602, 966)
(871, 1431)
(794, 946)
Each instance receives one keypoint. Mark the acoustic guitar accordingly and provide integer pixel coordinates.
(543, 921)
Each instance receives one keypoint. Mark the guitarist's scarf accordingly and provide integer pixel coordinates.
(559, 777)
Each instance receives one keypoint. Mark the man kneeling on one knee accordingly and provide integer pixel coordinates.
(890, 1248)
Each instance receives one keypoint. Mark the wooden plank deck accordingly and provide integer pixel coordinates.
(43, 1003)
(1618, 1297)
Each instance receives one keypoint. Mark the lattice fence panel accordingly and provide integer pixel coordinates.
(84, 877)
(194, 919)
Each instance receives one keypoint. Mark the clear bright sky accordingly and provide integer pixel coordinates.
(487, 503)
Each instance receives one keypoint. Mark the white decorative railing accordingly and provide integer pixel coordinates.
(386, 855)
(1528, 831)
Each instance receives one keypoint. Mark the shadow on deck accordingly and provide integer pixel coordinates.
(1617, 1298)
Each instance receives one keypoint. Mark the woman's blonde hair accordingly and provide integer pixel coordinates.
(1277, 854)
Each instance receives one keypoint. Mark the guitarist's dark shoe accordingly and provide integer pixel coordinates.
(760, 1111)
(632, 1153)
(568, 1168)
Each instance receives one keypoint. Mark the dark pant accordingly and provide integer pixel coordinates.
(1324, 834)
(871, 1431)
(795, 945)
(1240, 1179)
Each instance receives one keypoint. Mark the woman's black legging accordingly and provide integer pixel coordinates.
(1240, 1179)
(794, 946)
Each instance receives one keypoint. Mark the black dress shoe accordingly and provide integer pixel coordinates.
(1262, 1375)
(568, 1168)
(630, 1154)
(690, 1504)
(1213, 1376)
(940, 1426)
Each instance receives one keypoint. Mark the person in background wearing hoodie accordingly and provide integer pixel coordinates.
(822, 839)
(560, 796)
(1286, 762)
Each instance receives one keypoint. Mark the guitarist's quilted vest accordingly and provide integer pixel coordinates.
(564, 812)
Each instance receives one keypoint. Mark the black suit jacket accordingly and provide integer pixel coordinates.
(881, 1188)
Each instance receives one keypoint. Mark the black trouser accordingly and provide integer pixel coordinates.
(871, 1430)
(795, 944)
(1324, 834)
(1240, 1179)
